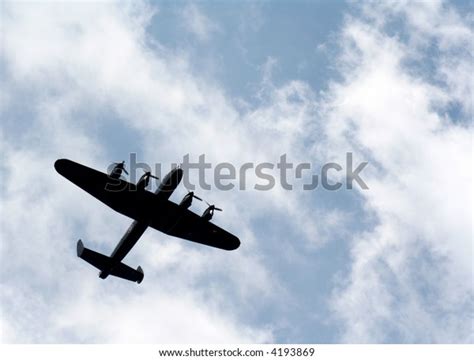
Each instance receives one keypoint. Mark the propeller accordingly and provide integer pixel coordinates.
(194, 196)
(213, 207)
(121, 166)
(149, 174)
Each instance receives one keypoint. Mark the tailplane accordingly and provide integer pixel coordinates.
(107, 266)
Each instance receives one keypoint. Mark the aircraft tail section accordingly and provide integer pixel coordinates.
(107, 266)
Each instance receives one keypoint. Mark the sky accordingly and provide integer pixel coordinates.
(390, 82)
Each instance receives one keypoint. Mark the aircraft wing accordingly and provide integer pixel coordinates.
(118, 194)
(185, 224)
(163, 215)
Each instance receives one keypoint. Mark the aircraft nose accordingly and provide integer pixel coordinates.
(173, 178)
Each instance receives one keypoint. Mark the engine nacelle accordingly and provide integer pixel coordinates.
(117, 170)
(207, 214)
(115, 173)
(187, 201)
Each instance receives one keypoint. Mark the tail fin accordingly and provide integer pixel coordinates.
(108, 266)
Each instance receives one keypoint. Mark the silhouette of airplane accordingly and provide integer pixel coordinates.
(147, 209)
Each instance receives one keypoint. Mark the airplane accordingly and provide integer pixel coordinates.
(147, 209)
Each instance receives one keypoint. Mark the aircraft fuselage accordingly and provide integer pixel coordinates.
(137, 228)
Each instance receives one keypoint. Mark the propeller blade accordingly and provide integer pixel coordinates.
(121, 165)
(213, 207)
(197, 197)
(149, 174)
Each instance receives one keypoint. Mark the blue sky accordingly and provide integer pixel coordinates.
(242, 82)
(289, 33)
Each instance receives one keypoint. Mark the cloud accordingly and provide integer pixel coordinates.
(197, 23)
(411, 274)
(94, 77)
(90, 84)
(87, 72)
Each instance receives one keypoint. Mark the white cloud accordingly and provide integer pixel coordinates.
(197, 23)
(167, 315)
(93, 61)
(70, 65)
(89, 68)
(411, 276)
